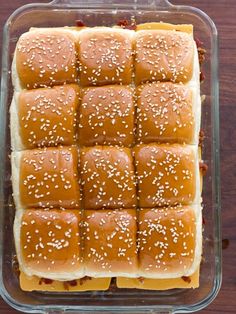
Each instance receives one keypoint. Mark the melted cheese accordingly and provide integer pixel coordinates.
(158, 284)
(28, 283)
(187, 28)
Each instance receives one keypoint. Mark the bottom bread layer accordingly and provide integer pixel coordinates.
(34, 283)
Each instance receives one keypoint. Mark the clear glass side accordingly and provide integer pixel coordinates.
(122, 300)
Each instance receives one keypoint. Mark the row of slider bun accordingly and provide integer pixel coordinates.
(155, 243)
(102, 55)
(106, 115)
(99, 177)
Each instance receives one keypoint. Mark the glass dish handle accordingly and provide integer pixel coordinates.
(155, 3)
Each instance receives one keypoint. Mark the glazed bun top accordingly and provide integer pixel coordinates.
(46, 58)
(163, 55)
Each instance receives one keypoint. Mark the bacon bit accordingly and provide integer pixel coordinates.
(201, 50)
(79, 23)
(203, 221)
(203, 168)
(199, 43)
(201, 55)
(186, 279)
(202, 76)
(123, 23)
(201, 137)
(113, 286)
(66, 285)
(141, 279)
(46, 281)
(127, 24)
(225, 244)
(84, 279)
(72, 283)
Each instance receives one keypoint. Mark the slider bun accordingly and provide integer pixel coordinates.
(165, 113)
(166, 174)
(163, 55)
(46, 177)
(107, 116)
(46, 58)
(44, 117)
(105, 56)
(110, 243)
(16, 140)
(108, 179)
(14, 75)
(48, 243)
(170, 241)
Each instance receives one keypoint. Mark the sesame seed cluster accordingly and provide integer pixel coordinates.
(107, 175)
(101, 56)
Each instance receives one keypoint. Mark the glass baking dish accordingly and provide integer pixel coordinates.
(107, 13)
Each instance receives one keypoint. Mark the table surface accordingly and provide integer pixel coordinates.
(223, 14)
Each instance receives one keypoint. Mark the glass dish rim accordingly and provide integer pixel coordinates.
(157, 5)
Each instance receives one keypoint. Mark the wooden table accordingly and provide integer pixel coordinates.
(223, 13)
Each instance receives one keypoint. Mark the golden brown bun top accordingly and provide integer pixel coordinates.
(110, 240)
(47, 116)
(167, 239)
(46, 58)
(105, 56)
(166, 174)
(107, 116)
(49, 178)
(50, 240)
(164, 56)
(107, 177)
(165, 113)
